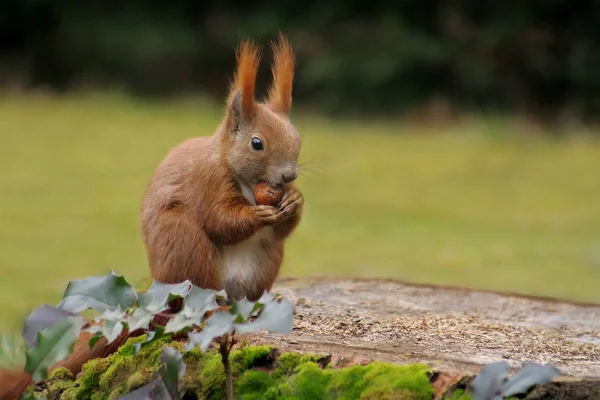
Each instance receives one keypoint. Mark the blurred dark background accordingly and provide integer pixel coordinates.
(541, 58)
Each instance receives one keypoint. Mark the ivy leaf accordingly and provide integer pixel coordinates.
(171, 370)
(93, 340)
(244, 309)
(141, 393)
(217, 325)
(41, 318)
(53, 344)
(95, 329)
(160, 294)
(529, 375)
(29, 396)
(181, 321)
(112, 325)
(198, 301)
(154, 390)
(276, 317)
(166, 386)
(221, 294)
(140, 318)
(151, 336)
(195, 305)
(100, 293)
(488, 384)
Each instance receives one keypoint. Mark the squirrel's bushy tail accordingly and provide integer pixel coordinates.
(13, 384)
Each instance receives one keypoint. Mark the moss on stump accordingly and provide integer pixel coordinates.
(258, 374)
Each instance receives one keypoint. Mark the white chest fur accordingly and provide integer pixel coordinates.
(242, 262)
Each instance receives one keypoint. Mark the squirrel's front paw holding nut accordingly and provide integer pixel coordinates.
(291, 202)
(267, 197)
(268, 215)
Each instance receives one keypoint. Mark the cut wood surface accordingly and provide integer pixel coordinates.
(451, 329)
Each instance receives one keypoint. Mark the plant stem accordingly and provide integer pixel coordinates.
(224, 350)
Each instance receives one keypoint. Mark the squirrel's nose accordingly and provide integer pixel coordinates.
(289, 176)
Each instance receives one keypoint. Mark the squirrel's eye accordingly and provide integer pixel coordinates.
(256, 143)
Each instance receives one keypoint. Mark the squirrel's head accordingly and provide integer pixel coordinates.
(262, 143)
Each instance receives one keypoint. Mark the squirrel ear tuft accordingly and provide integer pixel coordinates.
(284, 63)
(248, 59)
(235, 111)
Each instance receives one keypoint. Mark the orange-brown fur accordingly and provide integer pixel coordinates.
(196, 214)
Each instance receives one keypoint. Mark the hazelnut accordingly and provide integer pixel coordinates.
(266, 195)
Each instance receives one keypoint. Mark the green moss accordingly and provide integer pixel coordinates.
(59, 381)
(99, 396)
(69, 394)
(253, 385)
(212, 377)
(149, 356)
(113, 376)
(91, 373)
(127, 349)
(300, 376)
(249, 357)
(139, 379)
(117, 374)
(309, 382)
(399, 378)
(191, 381)
(286, 364)
(60, 373)
(194, 356)
(460, 394)
(177, 345)
(311, 358)
(117, 393)
(389, 394)
(295, 376)
(348, 383)
(57, 388)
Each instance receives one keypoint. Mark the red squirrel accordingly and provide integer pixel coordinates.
(199, 218)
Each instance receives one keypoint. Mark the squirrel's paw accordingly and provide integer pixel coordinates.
(292, 201)
(268, 215)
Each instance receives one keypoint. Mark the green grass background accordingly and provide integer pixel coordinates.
(469, 205)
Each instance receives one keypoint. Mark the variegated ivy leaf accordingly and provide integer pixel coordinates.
(196, 304)
(100, 293)
(276, 316)
(41, 318)
(112, 323)
(182, 321)
(529, 375)
(244, 309)
(167, 385)
(488, 384)
(171, 370)
(220, 323)
(198, 301)
(159, 294)
(151, 336)
(53, 344)
(140, 318)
